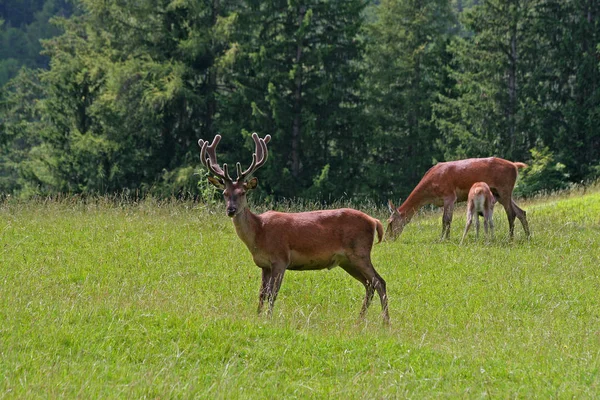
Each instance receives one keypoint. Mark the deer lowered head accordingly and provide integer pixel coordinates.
(396, 222)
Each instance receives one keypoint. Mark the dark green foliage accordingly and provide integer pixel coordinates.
(525, 73)
(295, 76)
(404, 77)
(360, 97)
(125, 100)
(25, 23)
(568, 82)
(485, 112)
(543, 174)
(22, 169)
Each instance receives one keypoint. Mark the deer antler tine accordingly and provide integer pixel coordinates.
(208, 157)
(250, 169)
(260, 153)
(264, 150)
(257, 157)
(215, 169)
(261, 150)
(203, 146)
(238, 167)
(210, 149)
(226, 172)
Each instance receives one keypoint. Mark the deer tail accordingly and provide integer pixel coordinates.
(520, 165)
(379, 230)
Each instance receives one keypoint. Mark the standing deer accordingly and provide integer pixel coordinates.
(480, 203)
(296, 241)
(448, 182)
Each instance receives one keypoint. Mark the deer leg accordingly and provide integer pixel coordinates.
(277, 272)
(364, 272)
(376, 283)
(370, 291)
(485, 223)
(510, 214)
(447, 217)
(522, 215)
(469, 222)
(489, 223)
(265, 288)
(350, 269)
(381, 288)
(477, 226)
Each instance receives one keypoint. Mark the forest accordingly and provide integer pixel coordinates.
(360, 97)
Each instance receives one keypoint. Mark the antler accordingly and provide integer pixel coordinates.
(208, 157)
(259, 157)
(210, 162)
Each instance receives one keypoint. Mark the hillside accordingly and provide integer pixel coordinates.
(107, 299)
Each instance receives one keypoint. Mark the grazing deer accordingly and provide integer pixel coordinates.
(296, 241)
(480, 203)
(448, 182)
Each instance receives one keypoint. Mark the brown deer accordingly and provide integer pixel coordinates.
(448, 182)
(480, 203)
(296, 241)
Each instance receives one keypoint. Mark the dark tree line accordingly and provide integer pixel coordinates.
(361, 97)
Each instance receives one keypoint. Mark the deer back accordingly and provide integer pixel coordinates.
(315, 235)
(459, 176)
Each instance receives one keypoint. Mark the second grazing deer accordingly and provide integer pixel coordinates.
(296, 241)
(480, 203)
(449, 182)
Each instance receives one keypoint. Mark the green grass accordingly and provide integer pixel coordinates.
(158, 300)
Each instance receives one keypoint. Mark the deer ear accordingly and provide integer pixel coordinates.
(391, 207)
(251, 184)
(218, 183)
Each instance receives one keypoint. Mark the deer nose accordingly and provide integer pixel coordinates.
(231, 211)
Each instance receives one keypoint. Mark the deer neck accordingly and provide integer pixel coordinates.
(247, 225)
(412, 204)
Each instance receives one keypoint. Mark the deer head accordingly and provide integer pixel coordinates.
(396, 222)
(234, 192)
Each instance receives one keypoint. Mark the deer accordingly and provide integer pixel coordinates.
(449, 182)
(480, 202)
(302, 241)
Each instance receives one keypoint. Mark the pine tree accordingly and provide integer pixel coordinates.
(129, 91)
(295, 77)
(406, 52)
(484, 114)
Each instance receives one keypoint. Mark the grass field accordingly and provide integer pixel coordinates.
(158, 300)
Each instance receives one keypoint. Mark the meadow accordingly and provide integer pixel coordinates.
(109, 299)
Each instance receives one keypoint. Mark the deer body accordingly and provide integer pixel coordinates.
(480, 202)
(297, 241)
(449, 182)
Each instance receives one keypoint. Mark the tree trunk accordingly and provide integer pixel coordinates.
(211, 102)
(297, 121)
(588, 90)
(512, 90)
(84, 101)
